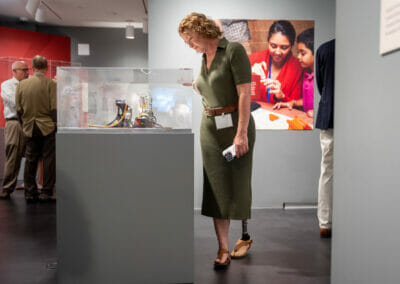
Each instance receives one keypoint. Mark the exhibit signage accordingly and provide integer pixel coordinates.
(390, 26)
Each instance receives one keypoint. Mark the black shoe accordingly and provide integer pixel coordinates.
(43, 197)
(5, 195)
(31, 199)
(20, 187)
(325, 233)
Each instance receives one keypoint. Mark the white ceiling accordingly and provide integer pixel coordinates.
(83, 13)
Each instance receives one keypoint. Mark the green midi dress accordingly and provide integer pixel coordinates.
(227, 185)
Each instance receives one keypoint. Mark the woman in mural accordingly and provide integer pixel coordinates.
(276, 72)
(224, 84)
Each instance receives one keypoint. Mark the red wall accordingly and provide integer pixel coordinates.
(27, 44)
(21, 43)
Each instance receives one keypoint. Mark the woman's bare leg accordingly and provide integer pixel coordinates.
(222, 230)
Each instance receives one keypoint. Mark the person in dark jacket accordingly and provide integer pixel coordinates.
(325, 75)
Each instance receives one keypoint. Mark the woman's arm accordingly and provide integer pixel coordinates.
(195, 87)
(240, 140)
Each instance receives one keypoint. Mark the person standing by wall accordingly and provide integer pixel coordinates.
(13, 135)
(37, 109)
(224, 84)
(325, 75)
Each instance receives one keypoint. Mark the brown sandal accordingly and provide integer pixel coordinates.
(223, 265)
(241, 248)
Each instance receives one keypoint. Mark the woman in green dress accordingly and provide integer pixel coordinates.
(224, 84)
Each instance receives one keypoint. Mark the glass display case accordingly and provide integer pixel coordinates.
(124, 99)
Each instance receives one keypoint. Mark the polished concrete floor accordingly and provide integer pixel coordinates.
(27, 241)
(287, 248)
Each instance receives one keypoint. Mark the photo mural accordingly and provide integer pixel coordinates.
(281, 54)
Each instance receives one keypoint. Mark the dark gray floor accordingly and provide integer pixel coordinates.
(27, 241)
(287, 248)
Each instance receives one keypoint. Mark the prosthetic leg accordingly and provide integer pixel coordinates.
(243, 244)
(245, 235)
(146, 118)
(121, 119)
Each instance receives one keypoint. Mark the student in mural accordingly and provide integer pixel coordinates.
(305, 55)
(276, 72)
(224, 84)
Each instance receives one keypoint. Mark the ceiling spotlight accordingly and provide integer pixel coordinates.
(130, 32)
(40, 15)
(145, 26)
(32, 6)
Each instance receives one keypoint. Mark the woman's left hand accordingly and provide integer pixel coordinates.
(241, 144)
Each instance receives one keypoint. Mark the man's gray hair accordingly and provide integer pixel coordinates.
(14, 65)
(39, 62)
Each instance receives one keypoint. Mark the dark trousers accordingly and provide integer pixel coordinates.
(37, 146)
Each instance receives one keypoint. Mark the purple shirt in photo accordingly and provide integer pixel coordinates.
(308, 91)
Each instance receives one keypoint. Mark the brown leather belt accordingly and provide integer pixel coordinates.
(220, 110)
(12, 118)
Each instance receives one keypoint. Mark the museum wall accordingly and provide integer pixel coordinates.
(286, 163)
(23, 43)
(367, 154)
(108, 46)
(26, 44)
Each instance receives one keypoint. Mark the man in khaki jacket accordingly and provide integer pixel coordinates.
(36, 108)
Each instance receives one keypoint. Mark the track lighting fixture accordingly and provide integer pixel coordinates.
(130, 32)
(40, 15)
(32, 6)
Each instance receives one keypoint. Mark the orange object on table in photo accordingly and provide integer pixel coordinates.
(298, 124)
(273, 117)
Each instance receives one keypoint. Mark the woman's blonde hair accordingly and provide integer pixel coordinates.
(200, 24)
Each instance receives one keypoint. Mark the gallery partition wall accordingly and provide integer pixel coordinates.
(365, 246)
(286, 163)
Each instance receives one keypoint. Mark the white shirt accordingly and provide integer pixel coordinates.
(8, 89)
